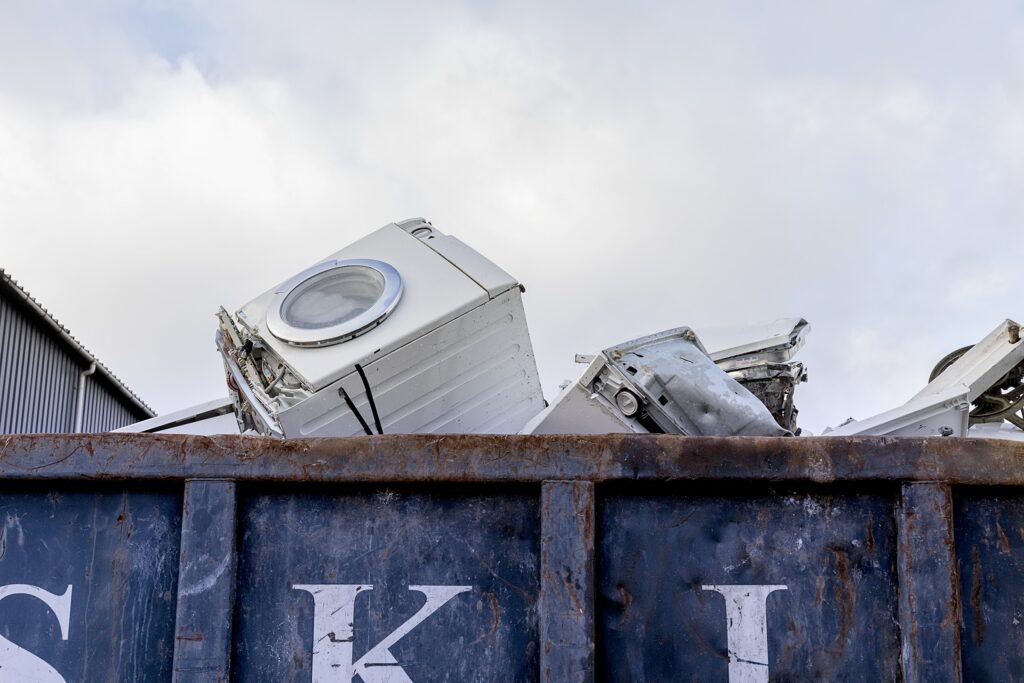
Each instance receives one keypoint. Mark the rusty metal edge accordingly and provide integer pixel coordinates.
(929, 600)
(206, 582)
(533, 459)
(566, 606)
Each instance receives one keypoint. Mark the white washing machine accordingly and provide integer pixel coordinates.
(407, 330)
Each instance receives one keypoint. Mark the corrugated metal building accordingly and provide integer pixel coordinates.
(49, 382)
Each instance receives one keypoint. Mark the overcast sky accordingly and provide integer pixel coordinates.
(638, 166)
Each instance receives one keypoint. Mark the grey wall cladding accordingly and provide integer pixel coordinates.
(39, 381)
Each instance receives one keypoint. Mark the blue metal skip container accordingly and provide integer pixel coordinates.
(136, 557)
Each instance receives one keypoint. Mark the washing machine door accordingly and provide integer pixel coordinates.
(334, 301)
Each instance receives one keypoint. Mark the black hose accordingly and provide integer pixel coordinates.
(352, 407)
(369, 397)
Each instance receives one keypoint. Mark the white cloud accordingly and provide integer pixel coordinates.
(637, 171)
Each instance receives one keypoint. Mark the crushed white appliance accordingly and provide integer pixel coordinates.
(972, 391)
(760, 357)
(406, 330)
(662, 383)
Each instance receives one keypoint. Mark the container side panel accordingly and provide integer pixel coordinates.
(567, 589)
(929, 590)
(438, 586)
(790, 586)
(989, 531)
(206, 583)
(88, 580)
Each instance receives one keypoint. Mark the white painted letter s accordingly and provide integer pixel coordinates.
(17, 663)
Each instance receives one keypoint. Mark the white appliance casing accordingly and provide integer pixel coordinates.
(453, 357)
(943, 406)
(578, 410)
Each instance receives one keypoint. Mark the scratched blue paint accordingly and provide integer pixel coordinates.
(391, 539)
(836, 554)
(118, 549)
(989, 529)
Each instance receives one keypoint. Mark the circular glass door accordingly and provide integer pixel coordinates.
(334, 301)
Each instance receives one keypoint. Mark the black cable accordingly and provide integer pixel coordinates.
(352, 407)
(369, 396)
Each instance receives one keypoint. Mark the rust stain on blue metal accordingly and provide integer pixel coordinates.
(990, 550)
(88, 582)
(715, 585)
(560, 558)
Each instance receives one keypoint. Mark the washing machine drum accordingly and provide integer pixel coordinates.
(334, 301)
